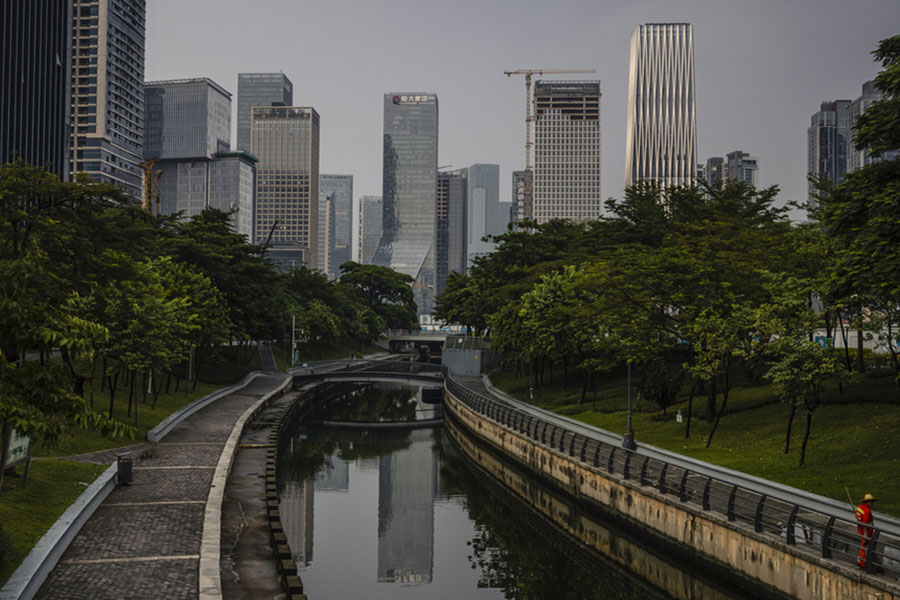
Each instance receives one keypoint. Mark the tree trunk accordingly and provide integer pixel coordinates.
(805, 437)
(860, 359)
(584, 386)
(718, 416)
(787, 437)
(711, 400)
(112, 391)
(565, 373)
(840, 320)
(130, 384)
(690, 410)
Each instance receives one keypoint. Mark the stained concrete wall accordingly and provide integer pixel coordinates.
(790, 569)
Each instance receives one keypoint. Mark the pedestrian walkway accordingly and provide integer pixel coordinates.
(143, 542)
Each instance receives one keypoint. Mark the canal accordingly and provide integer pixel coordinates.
(378, 511)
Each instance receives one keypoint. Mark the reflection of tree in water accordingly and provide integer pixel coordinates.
(366, 403)
(305, 456)
(523, 555)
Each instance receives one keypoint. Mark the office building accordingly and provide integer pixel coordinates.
(340, 187)
(371, 215)
(485, 215)
(521, 208)
(35, 66)
(186, 118)
(566, 151)
(828, 140)
(285, 140)
(856, 159)
(107, 106)
(187, 128)
(661, 129)
(409, 191)
(740, 166)
(326, 231)
(714, 173)
(450, 236)
(259, 89)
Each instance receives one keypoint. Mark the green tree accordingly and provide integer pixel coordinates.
(386, 292)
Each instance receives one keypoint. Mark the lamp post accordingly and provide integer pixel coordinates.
(628, 438)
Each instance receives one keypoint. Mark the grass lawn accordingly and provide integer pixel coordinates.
(27, 514)
(53, 484)
(854, 440)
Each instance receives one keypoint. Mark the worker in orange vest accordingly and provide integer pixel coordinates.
(864, 517)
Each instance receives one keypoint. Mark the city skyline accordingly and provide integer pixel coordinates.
(790, 63)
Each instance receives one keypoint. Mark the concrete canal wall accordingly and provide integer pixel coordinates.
(765, 558)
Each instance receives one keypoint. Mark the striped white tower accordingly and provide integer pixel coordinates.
(661, 136)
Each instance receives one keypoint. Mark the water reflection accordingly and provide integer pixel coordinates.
(405, 514)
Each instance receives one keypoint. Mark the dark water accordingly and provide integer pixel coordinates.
(403, 514)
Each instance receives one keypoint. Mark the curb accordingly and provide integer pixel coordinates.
(31, 574)
(25, 582)
(210, 579)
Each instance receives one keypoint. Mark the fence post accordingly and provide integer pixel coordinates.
(683, 487)
(597, 454)
(625, 471)
(757, 521)
(662, 478)
(870, 553)
(826, 538)
(791, 524)
(572, 445)
(731, 497)
(706, 493)
(644, 470)
(612, 455)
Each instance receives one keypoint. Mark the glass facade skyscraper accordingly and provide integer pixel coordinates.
(485, 214)
(35, 63)
(567, 151)
(450, 236)
(259, 89)
(522, 187)
(828, 139)
(371, 214)
(661, 129)
(409, 190)
(341, 188)
(285, 139)
(107, 118)
(186, 118)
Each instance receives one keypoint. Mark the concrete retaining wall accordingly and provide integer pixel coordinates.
(762, 557)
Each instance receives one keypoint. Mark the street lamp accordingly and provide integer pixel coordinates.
(628, 438)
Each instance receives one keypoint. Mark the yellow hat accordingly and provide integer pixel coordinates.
(869, 498)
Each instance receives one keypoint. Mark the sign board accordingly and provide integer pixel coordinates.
(17, 451)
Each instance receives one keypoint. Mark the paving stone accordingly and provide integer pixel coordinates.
(161, 485)
(136, 531)
(165, 455)
(169, 579)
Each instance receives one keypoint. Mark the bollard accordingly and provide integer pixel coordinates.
(124, 468)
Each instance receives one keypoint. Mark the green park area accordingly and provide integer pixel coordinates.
(854, 438)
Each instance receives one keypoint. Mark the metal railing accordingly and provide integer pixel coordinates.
(769, 511)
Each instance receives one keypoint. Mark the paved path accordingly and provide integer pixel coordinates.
(144, 540)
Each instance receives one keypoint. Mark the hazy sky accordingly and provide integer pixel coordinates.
(762, 68)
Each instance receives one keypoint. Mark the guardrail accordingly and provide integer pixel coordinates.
(772, 511)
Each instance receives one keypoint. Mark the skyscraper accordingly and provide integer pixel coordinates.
(661, 130)
(485, 216)
(186, 118)
(450, 236)
(567, 151)
(187, 127)
(827, 143)
(409, 190)
(285, 139)
(856, 159)
(259, 89)
(371, 216)
(326, 231)
(340, 187)
(740, 166)
(715, 172)
(107, 118)
(35, 62)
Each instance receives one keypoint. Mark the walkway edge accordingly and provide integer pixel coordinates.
(210, 577)
(28, 578)
(168, 424)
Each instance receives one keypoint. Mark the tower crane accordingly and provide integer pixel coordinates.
(529, 117)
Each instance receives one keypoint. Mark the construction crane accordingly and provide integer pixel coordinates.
(529, 117)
